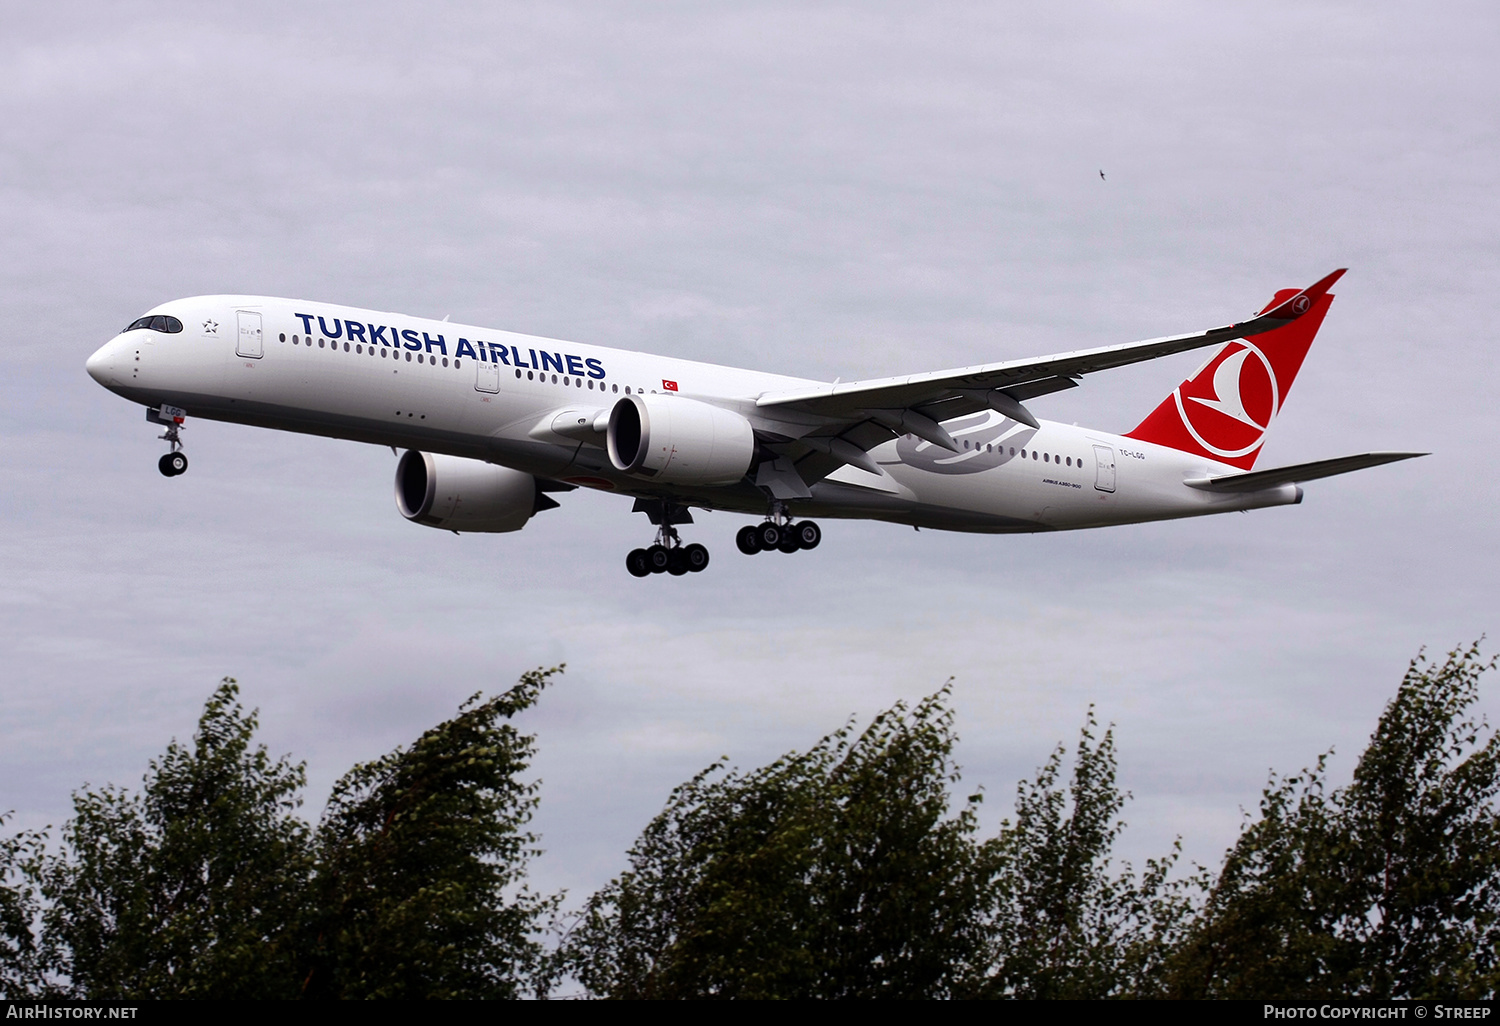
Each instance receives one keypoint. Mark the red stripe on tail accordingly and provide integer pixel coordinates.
(1224, 410)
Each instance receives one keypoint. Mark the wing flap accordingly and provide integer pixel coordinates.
(1297, 473)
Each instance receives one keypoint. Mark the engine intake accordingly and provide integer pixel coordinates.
(456, 494)
(679, 441)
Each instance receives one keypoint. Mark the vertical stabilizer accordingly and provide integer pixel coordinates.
(1225, 408)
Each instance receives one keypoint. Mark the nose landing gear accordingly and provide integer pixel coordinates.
(174, 462)
(778, 532)
(668, 555)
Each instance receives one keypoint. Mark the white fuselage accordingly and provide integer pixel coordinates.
(497, 396)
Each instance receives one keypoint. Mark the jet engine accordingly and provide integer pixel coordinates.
(679, 441)
(456, 494)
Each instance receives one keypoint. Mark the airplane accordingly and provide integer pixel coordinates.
(495, 424)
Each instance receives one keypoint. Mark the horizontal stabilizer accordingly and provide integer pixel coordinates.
(1296, 474)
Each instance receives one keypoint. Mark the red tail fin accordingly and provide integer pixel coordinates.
(1224, 409)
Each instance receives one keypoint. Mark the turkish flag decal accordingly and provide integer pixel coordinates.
(670, 386)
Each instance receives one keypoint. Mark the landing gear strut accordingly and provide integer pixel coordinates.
(778, 532)
(174, 462)
(668, 555)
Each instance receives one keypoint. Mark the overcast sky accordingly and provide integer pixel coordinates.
(821, 190)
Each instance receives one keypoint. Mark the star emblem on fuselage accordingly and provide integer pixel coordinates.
(210, 327)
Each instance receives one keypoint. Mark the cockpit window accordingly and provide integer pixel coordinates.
(160, 322)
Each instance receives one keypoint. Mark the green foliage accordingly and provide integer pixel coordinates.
(1386, 888)
(836, 872)
(186, 889)
(1062, 924)
(20, 969)
(206, 883)
(841, 871)
(420, 858)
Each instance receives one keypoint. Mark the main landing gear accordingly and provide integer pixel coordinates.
(668, 555)
(779, 533)
(174, 462)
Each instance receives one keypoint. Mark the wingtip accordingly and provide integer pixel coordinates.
(1297, 304)
(1327, 282)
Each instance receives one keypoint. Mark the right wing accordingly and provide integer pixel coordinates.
(942, 395)
(828, 426)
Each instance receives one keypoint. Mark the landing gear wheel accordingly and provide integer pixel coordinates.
(658, 558)
(769, 535)
(695, 556)
(789, 542)
(676, 562)
(748, 539)
(636, 563)
(172, 464)
(808, 534)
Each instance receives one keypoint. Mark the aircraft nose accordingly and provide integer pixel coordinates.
(103, 366)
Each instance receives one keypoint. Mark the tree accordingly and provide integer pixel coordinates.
(186, 889)
(421, 861)
(836, 872)
(1386, 888)
(21, 974)
(207, 884)
(1063, 925)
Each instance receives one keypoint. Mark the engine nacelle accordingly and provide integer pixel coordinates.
(456, 494)
(680, 441)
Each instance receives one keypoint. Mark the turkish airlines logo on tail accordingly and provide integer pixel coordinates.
(1228, 405)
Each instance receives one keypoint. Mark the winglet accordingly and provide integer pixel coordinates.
(1288, 304)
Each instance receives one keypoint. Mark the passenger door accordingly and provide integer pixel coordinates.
(486, 376)
(1104, 473)
(248, 342)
